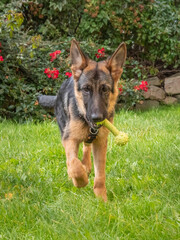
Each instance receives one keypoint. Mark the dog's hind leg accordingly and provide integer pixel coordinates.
(99, 152)
(76, 170)
(86, 161)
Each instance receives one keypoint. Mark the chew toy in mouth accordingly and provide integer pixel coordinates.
(121, 138)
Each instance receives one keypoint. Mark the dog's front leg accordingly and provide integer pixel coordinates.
(86, 161)
(76, 170)
(99, 152)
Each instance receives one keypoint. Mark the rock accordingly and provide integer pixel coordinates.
(178, 97)
(176, 74)
(147, 104)
(172, 84)
(170, 100)
(154, 93)
(154, 81)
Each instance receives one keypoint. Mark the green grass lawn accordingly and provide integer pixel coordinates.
(37, 201)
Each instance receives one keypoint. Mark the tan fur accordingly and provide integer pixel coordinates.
(103, 67)
(99, 152)
(80, 61)
(91, 65)
(75, 72)
(116, 75)
(113, 96)
(113, 99)
(86, 161)
(79, 99)
(77, 130)
(73, 128)
(100, 188)
(76, 170)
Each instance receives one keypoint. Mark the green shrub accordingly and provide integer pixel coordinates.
(150, 27)
(22, 71)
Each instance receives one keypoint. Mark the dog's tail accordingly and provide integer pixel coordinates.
(47, 102)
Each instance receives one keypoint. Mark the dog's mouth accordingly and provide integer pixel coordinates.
(96, 125)
(93, 125)
(94, 122)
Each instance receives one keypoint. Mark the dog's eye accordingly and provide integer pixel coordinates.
(87, 89)
(105, 88)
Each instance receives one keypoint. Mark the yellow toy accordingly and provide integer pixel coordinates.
(121, 138)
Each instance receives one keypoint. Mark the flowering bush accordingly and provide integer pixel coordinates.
(52, 73)
(101, 53)
(21, 72)
(131, 92)
(54, 55)
(150, 27)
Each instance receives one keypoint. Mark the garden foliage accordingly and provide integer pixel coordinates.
(35, 40)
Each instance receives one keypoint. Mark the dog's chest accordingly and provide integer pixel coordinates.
(77, 130)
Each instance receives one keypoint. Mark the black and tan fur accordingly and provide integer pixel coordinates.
(85, 98)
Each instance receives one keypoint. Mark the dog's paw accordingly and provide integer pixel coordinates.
(101, 193)
(87, 168)
(100, 189)
(77, 172)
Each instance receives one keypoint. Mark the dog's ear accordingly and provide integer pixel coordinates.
(116, 61)
(78, 60)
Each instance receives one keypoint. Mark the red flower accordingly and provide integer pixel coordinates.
(101, 53)
(1, 59)
(46, 70)
(136, 87)
(97, 55)
(54, 55)
(69, 74)
(120, 89)
(58, 51)
(52, 73)
(142, 86)
(144, 83)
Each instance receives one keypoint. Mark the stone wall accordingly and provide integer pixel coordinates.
(166, 91)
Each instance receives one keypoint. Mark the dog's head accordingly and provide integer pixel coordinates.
(95, 85)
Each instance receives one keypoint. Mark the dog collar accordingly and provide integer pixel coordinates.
(93, 132)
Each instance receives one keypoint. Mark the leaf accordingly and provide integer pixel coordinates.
(31, 54)
(11, 33)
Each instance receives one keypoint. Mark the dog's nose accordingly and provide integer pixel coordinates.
(97, 117)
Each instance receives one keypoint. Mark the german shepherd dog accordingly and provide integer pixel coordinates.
(85, 98)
